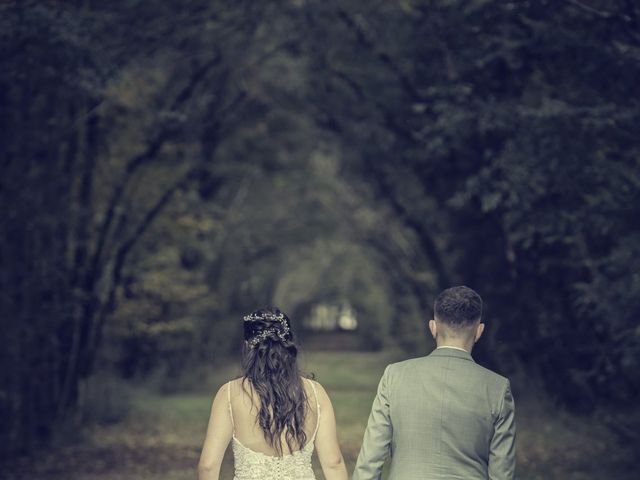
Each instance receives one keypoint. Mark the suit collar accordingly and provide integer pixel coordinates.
(451, 352)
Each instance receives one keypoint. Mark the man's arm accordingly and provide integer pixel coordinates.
(377, 437)
(502, 451)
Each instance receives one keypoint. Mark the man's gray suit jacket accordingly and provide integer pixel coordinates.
(442, 416)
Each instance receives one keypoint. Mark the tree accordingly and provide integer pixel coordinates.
(124, 122)
(495, 133)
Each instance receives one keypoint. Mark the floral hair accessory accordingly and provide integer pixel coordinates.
(254, 334)
(264, 316)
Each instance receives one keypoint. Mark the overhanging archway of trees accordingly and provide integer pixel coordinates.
(169, 162)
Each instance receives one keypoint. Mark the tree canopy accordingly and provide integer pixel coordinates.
(168, 166)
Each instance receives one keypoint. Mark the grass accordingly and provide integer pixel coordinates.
(162, 434)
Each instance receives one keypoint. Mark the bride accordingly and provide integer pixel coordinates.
(272, 416)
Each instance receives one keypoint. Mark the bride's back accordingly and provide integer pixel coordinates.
(244, 405)
(272, 415)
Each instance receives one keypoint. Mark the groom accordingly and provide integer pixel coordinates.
(442, 416)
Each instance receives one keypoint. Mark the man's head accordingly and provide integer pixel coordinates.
(457, 317)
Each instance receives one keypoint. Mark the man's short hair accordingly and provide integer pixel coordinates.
(458, 306)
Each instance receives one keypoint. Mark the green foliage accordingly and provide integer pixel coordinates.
(496, 134)
(105, 399)
(107, 122)
(169, 166)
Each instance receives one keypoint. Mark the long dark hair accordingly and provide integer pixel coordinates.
(269, 361)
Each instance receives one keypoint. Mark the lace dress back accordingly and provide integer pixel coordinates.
(252, 465)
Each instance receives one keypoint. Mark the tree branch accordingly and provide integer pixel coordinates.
(141, 159)
(384, 57)
(123, 252)
(590, 9)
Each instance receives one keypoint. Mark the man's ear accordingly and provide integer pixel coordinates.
(479, 330)
(433, 328)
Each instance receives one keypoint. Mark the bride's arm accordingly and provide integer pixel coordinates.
(217, 439)
(326, 443)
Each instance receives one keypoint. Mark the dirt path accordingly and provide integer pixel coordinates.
(162, 434)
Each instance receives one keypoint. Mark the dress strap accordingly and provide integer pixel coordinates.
(229, 405)
(315, 394)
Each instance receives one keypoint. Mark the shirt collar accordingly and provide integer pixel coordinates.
(450, 346)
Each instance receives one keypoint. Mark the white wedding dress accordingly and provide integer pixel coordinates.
(252, 465)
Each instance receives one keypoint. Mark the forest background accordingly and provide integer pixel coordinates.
(167, 167)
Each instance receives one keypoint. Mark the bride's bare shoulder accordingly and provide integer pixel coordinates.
(230, 387)
(319, 390)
